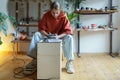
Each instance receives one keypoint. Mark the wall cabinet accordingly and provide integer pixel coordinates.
(108, 9)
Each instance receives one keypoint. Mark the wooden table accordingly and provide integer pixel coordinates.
(15, 46)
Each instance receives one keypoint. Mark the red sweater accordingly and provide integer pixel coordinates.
(54, 25)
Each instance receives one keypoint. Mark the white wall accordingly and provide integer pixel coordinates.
(117, 34)
(3, 8)
(91, 42)
(98, 42)
(6, 46)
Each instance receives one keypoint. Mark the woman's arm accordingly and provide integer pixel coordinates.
(44, 33)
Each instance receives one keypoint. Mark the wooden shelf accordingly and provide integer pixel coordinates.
(98, 12)
(88, 12)
(96, 29)
(19, 41)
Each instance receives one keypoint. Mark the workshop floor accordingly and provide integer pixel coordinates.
(88, 67)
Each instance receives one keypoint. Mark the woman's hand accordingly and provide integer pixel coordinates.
(55, 36)
(52, 36)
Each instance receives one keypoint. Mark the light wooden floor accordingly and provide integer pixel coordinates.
(88, 67)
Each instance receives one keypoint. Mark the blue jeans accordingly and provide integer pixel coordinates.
(67, 46)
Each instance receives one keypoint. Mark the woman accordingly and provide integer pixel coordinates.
(54, 22)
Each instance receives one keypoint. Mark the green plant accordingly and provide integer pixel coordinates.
(76, 2)
(71, 17)
(0, 41)
(3, 23)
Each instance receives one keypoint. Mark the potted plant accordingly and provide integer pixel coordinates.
(71, 18)
(71, 15)
(3, 23)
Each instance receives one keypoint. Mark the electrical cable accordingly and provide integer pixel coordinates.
(18, 72)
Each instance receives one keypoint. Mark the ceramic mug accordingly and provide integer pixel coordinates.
(93, 25)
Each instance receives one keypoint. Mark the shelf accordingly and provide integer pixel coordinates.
(21, 41)
(88, 12)
(96, 29)
(107, 10)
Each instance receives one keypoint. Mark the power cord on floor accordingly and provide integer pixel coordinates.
(18, 72)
